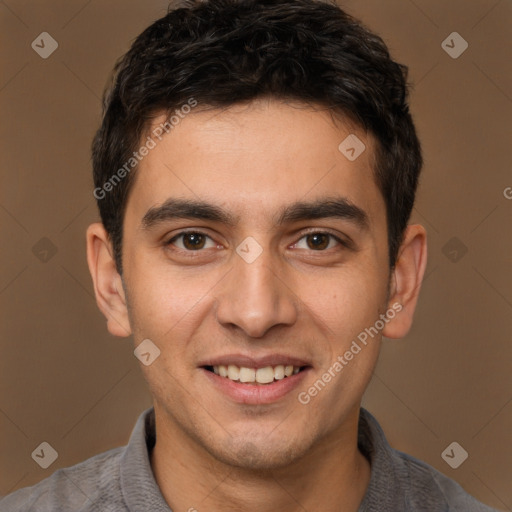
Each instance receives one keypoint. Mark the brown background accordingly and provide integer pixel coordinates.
(66, 381)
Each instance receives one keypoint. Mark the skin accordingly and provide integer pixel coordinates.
(295, 298)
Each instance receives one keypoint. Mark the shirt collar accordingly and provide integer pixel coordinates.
(385, 491)
(140, 490)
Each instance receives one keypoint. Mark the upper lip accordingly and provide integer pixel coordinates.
(254, 361)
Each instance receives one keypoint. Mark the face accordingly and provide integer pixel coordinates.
(252, 244)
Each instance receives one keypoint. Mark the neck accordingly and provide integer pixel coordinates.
(333, 476)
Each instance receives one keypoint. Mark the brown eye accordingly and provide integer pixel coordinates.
(318, 241)
(191, 241)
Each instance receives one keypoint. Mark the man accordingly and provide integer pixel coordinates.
(255, 171)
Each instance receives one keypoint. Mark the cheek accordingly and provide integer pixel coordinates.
(349, 308)
(348, 301)
(165, 301)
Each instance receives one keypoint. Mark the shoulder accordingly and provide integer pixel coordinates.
(424, 482)
(401, 482)
(93, 484)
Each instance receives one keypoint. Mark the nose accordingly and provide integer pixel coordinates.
(255, 297)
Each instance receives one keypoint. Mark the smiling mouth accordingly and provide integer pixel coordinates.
(265, 375)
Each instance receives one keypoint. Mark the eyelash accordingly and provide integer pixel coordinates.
(191, 253)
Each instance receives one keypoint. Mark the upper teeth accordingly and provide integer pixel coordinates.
(260, 375)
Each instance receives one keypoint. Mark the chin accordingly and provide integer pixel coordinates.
(258, 454)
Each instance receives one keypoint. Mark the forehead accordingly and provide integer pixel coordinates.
(257, 157)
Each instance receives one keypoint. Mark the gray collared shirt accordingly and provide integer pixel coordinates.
(121, 480)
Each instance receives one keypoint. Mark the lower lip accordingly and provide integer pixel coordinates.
(254, 394)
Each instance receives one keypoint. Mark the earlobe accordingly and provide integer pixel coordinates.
(108, 288)
(406, 280)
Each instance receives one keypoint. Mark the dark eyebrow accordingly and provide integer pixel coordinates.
(186, 209)
(337, 207)
(329, 207)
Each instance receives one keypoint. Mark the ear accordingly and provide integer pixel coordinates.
(108, 285)
(406, 281)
